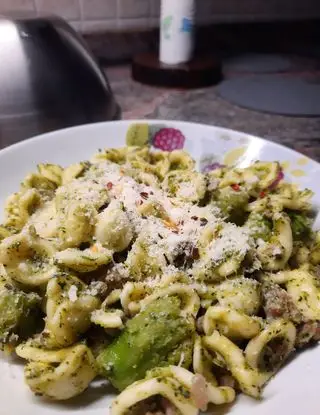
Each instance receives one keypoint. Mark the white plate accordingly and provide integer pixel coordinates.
(295, 390)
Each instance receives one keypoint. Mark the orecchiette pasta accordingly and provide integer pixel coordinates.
(28, 258)
(68, 310)
(111, 319)
(190, 302)
(51, 172)
(249, 379)
(77, 224)
(162, 279)
(58, 374)
(175, 384)
(202, 362)
(20, 207)
(83, 261)
(231, 323)
(275, 253)
(240, 294)
(302, 288)
(280, 338)
(113, 229)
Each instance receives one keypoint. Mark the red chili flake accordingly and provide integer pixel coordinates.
(235, 187)
(194, 217)
(109, 185)
(139, 202)
(262, 194)
(144, 195)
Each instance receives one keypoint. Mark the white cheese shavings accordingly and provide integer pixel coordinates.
(232, 240)
(187, 190)
(182, 357)
(72, 293)
(276, 251)
(252, 179)
(23, 267)
(260, 242)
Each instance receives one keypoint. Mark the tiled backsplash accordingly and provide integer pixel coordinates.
(99, 15)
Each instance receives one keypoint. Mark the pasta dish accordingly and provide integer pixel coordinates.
(181, 288)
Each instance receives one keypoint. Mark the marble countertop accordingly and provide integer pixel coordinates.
(205, 106)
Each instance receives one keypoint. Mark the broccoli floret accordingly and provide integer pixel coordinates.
(232, 203)
(260, 226)
(151, 339)
(20, 314)
(300, 225)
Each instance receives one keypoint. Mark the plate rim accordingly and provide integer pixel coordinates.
(32, 141)
(51, 134)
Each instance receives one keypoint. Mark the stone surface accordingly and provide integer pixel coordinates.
(205, 106)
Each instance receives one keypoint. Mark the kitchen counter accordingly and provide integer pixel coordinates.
(205, 106)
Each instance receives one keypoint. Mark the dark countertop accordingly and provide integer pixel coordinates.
(205, 106)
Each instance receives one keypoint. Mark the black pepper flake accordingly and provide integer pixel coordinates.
(194, 217)
(195, 253)
(203, 221)
(166, 258)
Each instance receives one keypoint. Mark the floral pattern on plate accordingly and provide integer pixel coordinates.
(160, 136)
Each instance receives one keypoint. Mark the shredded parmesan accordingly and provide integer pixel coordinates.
(182, 357)
(232, 240)
(72, 293)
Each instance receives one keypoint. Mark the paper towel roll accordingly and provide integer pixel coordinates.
(176, 31)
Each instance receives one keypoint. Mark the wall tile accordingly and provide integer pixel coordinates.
(155, 8)
(101, 15)
(98, 9)
(13, 5)
(69, 9)
(137, 23)
(133, 8)
(96, 26)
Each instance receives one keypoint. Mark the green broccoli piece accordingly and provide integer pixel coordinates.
(232, 203)
(182, 355)
(151, 339)
(300, 225)
(260, 226)
(20, 314)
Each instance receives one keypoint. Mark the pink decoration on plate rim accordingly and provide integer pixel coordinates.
(169, 139)
(212, 166)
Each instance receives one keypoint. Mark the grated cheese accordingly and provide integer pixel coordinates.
(23, 267)
(72, 293)
(187, 190)
(182, 357)
(232, 240)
